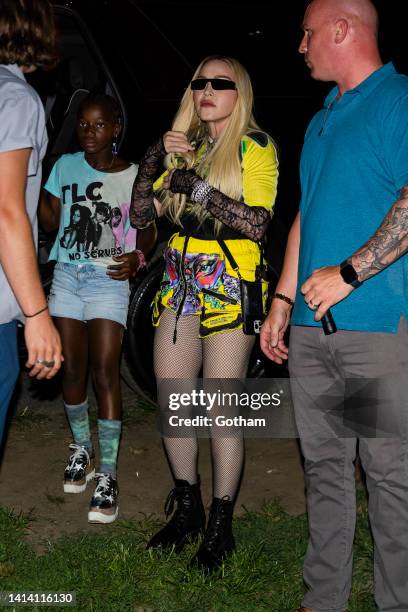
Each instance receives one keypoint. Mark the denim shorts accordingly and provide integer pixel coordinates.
(85, 292)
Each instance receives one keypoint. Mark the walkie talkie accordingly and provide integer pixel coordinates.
(328, 324)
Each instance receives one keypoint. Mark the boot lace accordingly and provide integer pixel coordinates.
(215, 526)
(185, 502)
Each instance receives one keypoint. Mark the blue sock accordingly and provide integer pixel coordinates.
(109, 438)
(78, 419)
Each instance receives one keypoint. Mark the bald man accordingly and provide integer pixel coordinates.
(347, 250)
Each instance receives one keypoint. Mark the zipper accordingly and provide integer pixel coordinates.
(220, 296)
(183, 299)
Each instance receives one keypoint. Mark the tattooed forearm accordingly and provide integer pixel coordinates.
(389, 243)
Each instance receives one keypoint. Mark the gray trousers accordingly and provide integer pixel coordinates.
(324, 371)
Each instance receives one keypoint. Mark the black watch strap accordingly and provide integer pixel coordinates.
(348, 274)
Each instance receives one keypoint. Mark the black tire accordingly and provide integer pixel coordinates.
(140, 333)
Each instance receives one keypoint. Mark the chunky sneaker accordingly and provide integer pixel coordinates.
(104, 503)
(79, 471)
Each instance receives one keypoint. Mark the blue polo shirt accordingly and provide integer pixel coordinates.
(354, 163)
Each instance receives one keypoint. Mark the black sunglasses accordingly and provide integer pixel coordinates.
(217, 84)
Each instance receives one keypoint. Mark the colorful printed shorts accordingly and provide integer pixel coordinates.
(203, 283)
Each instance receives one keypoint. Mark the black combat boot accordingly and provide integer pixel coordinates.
(188, 520)
(218, 539)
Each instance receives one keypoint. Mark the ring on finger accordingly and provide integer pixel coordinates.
(45, 363)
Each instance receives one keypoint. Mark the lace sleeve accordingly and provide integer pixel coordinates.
(142, 211)
(251, 221)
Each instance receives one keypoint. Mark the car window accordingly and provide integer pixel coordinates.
(150, 55)
(80, 70)
(251, 33)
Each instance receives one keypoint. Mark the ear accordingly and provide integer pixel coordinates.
(117, 130)
(340, 30)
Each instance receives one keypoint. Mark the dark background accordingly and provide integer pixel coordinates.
(144, 54)
(150, 49)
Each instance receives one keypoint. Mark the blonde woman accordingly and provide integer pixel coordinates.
(220, 183)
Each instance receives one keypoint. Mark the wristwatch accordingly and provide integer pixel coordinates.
(348, 274)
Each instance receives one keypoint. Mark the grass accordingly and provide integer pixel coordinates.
(113, 572)
(33, 396)
(30, 418)
(26, 419)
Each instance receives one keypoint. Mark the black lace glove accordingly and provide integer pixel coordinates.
(251, 221)
(142, 211)
(183, 181)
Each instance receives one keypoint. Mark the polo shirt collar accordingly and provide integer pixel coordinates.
(366, 86)
(14, 69)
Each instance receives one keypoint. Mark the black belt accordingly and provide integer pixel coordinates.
(224, 234)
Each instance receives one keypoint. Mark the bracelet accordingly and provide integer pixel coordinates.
(201, 192)
(36, 313)
(284, 298)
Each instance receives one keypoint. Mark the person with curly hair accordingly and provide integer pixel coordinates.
(27, 42)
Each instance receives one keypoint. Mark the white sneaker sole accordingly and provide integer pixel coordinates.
(73, 488)
(99, 517)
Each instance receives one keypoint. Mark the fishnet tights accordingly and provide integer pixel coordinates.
(223, 355)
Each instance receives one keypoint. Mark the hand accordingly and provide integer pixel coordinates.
(43, 344)
(324, 288)
(167, 179)
(273, 330)
(183, 181)
(128, 267)
(176, 142)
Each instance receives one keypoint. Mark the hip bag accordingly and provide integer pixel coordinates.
(252, 307)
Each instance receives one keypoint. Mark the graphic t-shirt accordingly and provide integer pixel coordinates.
(94, 224)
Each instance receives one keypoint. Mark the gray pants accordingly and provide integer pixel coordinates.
(322, 369)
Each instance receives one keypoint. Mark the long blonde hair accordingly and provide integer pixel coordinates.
(222, 166)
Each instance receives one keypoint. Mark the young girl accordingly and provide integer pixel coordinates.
(227, 193)
(90, 290)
